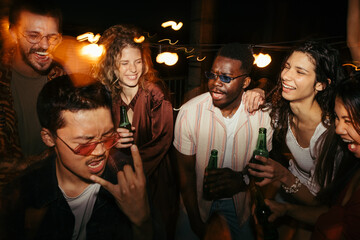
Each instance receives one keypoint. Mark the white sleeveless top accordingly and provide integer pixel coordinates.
(303, 164)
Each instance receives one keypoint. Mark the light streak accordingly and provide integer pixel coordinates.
(139, 39)
(185, 49)
(352, 65)
(88, 36)
(172, 24)
(166, 39)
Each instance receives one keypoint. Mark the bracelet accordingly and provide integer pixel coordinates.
(293, 188)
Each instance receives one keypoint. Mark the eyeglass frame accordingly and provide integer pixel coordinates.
(221, 76)
(42, 36)
(75, 151)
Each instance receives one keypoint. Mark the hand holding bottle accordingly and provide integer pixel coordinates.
(125, 130)
(223, 183)
(126, 138)
(268, 170)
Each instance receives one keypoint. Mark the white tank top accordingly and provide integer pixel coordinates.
(303, 164)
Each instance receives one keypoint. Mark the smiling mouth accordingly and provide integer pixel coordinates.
(288, 87)
(350, 143)
(132, 77)
(42, 53)
(42, 56)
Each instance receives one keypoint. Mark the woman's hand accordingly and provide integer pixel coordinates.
(277, 209)
(126, 137)
(270, 170)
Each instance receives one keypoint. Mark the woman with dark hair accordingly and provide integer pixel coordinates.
(126, 68)
(339, 215)
(301, 114)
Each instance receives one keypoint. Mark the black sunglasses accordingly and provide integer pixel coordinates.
(223, 78)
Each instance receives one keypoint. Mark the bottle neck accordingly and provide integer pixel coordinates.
(212, 162)
(123, 116)
(261, 143)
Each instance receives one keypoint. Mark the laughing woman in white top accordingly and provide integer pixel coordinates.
(301, 114)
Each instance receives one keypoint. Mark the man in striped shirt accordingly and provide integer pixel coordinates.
(218, 120)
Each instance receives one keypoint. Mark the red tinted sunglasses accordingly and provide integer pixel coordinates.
(87, 148)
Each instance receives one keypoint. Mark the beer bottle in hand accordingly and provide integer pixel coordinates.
(260, 150)
(123, 155)
(262, 212)
(124, 120)
(211, 165)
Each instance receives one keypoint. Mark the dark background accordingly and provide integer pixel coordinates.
(271, 26)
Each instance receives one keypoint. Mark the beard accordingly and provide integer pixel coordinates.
(42, 68)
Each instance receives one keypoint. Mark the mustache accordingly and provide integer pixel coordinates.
(34, 50)
(218, 90)
(96, 159)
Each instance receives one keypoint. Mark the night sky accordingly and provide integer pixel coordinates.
(256, 21)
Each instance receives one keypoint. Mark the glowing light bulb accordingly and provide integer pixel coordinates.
(168, 58)
(92, 50)
(262, 60)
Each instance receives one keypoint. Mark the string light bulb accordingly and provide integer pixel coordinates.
(168, 58)
(262, 60)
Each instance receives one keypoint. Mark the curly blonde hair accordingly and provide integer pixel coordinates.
(114, 40)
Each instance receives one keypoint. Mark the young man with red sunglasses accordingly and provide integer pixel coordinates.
(73, 193)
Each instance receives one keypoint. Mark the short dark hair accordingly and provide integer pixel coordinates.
(238, 51)
(41, 7)
(62, 94)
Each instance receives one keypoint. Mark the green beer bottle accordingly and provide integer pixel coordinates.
(262, 212)
(211, 165)
(124, 120)
(260, 150)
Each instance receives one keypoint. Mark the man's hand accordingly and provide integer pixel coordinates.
(130, 191)
(223, 183)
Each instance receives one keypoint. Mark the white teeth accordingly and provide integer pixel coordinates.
(288, 87)
(42, 53)
(347, 141)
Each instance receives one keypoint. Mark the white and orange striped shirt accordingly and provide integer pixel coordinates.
(200, 127)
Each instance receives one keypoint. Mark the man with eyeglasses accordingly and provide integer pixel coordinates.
(73, 192)
(218, 120)
(34, 32)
